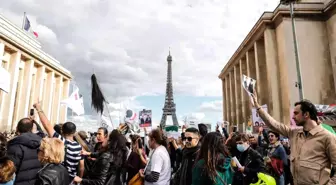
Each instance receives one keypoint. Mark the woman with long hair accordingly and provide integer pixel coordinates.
(137, 159)
(213, 166)
(51, 155)
(110, 163)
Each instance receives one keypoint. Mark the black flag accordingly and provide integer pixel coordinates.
(98, 98)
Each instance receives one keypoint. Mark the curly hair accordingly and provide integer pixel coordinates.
(7, 170)
(213, 152)
(52, 150)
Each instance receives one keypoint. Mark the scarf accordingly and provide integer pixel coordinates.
(273, 147)
(187, 153)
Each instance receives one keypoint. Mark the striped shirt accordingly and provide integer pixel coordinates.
(72, 154)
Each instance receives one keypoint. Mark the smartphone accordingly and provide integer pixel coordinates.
(31, 112)
(140, 143)
(234, 129)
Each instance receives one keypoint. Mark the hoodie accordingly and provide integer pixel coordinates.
(225, 174)
(23, 151)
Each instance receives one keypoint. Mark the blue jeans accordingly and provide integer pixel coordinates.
(281, 180)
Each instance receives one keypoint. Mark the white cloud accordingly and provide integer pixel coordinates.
(46, 34)
(126, 42)
(214, 106)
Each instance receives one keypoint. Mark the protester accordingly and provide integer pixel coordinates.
(72, 160)
(137, 159)
(110, 163)
(250, 160)
(22, 150)
(189, 154)
(158, 171)
(313, 148)
(51, 155)
(7, 167)
(276, 158)
(213, 164)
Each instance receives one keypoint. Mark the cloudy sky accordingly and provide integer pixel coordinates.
(126, 43)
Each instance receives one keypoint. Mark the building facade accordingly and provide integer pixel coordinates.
(267, 55)
(33, 75)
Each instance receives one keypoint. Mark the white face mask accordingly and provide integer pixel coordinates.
(241, 147)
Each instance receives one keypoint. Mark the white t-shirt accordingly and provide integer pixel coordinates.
(159, 162)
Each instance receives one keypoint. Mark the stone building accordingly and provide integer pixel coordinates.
(33, 75)
(267, 55)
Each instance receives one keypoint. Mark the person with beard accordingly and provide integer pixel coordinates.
(189, 155)
(313, 148)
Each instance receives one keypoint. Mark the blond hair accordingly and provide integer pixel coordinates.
(53, 150)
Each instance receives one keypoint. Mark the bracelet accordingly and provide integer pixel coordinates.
(39, 111)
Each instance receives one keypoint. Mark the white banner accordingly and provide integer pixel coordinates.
(4, 79)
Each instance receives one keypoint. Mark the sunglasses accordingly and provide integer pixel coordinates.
(189, 138)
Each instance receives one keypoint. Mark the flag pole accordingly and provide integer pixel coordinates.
(23, 20)
(108, 111)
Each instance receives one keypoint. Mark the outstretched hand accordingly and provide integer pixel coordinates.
(255, 99)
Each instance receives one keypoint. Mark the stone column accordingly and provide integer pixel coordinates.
(256, 59)
(57, 98)
(232, 108)
(262, 73)
(227, 102)
(39, 87)
(50, 80)
(33, 90)
(26, 86)
(235, 70)
(8, 105)
(224, 98)
(242, 93)
(18, 101)
(2, 94)
(271, 53)
(64, 109)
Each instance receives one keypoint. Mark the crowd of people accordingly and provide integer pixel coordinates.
(60, 155)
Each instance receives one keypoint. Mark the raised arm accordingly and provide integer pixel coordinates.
(270, 121)
(44, 120)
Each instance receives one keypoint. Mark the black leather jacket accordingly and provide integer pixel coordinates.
(103, 171)
(53, 174)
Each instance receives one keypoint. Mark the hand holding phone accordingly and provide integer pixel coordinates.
(31, 112)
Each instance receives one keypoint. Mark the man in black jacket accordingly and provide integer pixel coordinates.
(251, 161)
(23, 151)
(189, 154)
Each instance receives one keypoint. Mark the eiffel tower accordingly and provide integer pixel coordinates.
(169, 108)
